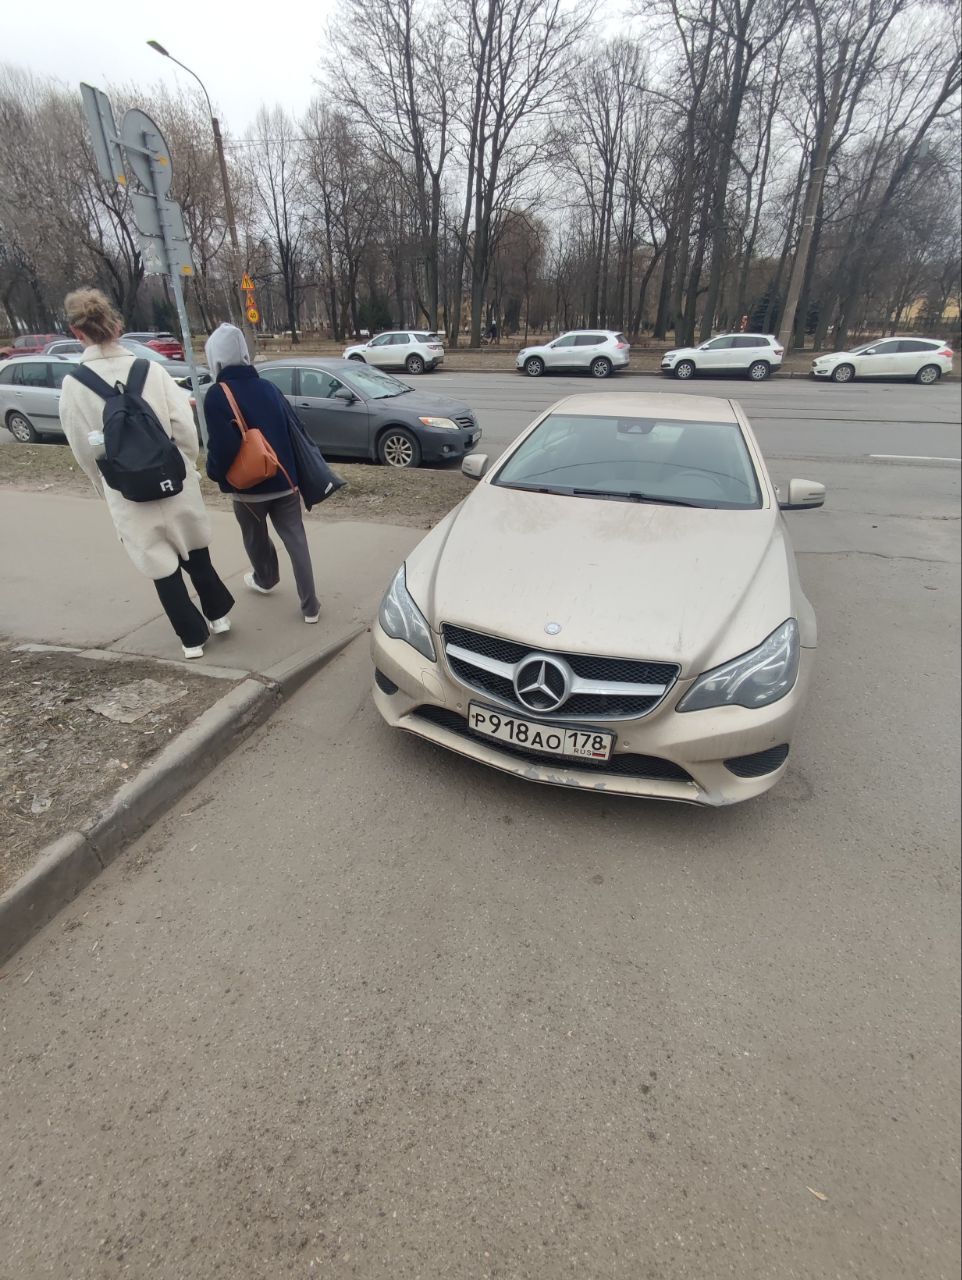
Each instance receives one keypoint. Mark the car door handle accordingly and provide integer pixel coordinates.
(304, 404)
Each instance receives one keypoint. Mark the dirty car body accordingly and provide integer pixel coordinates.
(615, 607)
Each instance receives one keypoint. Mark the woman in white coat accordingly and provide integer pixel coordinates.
(165, 537)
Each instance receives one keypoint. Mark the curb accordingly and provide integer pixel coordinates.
(64, 867)
(633, 373)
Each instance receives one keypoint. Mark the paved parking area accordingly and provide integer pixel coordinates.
(363, 1008)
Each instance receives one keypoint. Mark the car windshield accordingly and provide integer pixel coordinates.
(636, 459)
(374, 385)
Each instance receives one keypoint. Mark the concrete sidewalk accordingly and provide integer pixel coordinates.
(65, 579)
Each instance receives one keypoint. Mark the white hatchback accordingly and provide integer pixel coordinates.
(414, 350)
(752, 355)
(924, 359)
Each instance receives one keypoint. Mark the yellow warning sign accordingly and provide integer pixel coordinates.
(247, 284)
(253, 315)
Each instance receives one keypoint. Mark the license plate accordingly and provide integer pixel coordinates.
(545, 739)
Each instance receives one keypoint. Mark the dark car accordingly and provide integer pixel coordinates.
(354, 411)
(163, 342)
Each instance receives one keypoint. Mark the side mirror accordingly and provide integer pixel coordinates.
(345, 394)
(803, 495)
(475, 465)
(871, 352)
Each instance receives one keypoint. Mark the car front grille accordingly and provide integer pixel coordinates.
(485, 663)
(465, 421)
(627, 765)
(758, 763)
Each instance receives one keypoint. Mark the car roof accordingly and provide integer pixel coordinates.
(332, 365)
(40, 359)
(650, 404)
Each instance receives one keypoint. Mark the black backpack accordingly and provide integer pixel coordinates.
(140, 459)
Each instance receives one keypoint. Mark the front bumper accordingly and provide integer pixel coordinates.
(447, 446)
(820, 371)
(686, 750)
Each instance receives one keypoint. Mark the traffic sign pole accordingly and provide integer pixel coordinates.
(160, 222)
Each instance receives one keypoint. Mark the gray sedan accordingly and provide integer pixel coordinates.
(354, 411)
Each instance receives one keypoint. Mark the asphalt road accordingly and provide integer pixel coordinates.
(363, 1008)
(791, 416)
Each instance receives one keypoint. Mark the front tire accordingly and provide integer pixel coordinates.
(928, 375)
(414, 364)
(685, 369)
(843, 373)
(534, 366)
(22, 429)
(601, 368)
(360, 359)
(399, 448)
(759, 370)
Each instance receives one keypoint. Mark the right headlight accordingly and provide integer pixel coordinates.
(754, 680)
(403, 620)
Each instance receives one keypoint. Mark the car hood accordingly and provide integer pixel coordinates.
(422, 403)
(671, 584)
(680, 351)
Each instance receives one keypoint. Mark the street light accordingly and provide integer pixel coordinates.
(228, 202)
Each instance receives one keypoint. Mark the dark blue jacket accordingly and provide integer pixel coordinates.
(264, 407)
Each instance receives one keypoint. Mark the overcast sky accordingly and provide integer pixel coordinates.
(271, 58)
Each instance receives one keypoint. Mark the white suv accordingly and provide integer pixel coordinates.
(416, 351)
(924, 359)
(754, 355)
(596, 351)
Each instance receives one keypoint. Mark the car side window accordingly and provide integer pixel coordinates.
(8, 375)
(588, 339)
(382, 340)
(317, 384)
(283, 379)
(35, 375)
(719, 344)
(400, 339)
(884, 349)
(744, 342)
(58, 372)
(567, 341)
(915, 344)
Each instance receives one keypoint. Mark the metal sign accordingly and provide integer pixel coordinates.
(143, 140)
(247, 284)
(103, 134)
(253, 315)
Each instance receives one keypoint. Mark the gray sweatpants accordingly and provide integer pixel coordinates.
(285, 515)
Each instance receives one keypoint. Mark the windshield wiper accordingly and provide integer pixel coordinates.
(632, 496)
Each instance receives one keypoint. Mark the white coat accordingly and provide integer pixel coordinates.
(156, 535)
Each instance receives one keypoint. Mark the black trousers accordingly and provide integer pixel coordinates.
(215, 600)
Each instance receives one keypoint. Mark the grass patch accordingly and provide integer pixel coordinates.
(415, 498)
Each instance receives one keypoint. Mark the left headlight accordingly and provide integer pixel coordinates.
(754, 680)
(444, 424)
(403, 620)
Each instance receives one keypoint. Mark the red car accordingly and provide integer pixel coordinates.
(28, 344)
(164, 343)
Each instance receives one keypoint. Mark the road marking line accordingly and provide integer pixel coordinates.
(912, 457)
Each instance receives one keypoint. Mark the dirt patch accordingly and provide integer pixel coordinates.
(415, 498)
(59, 760)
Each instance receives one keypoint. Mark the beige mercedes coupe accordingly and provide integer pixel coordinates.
(615, 607)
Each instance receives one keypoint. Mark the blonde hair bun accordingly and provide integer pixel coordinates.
(93, 314)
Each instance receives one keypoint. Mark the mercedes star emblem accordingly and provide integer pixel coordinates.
(542, 682)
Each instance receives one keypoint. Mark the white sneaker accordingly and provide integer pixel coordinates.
(311, 620)
(249, 579)
(196, 651)
(219, 626)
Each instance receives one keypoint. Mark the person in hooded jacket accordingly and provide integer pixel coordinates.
(277, 499)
